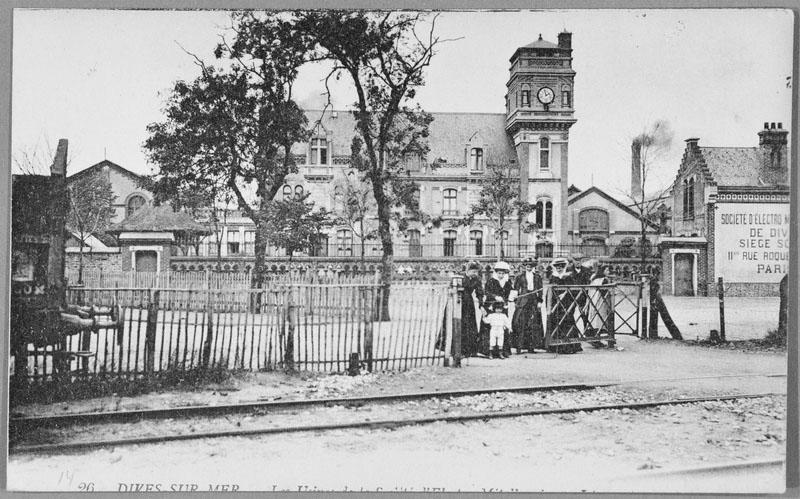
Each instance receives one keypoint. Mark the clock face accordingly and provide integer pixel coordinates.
(545, 95)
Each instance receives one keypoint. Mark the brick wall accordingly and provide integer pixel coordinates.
(92, 262)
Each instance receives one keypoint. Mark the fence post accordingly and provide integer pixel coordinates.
(369, 302)
(288, 359)
(209, 330)
(721, 294)
(150, 332)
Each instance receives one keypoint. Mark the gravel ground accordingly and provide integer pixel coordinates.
(583, 451)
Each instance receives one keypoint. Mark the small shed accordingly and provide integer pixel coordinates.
(153, 234)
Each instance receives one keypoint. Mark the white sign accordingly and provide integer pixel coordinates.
(751, 242)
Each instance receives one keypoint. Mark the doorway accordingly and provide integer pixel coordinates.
(683, 274)
(146, 261)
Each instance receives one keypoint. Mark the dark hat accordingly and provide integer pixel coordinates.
(473, 265)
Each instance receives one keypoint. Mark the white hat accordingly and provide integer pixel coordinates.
(502, 266)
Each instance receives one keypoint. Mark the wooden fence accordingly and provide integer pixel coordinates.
(315, 327)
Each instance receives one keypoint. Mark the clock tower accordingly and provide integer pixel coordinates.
(539, 114)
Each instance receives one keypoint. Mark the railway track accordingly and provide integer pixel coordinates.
(61, 420)
(19, 424)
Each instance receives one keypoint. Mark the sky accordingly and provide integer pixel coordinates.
(99, 77)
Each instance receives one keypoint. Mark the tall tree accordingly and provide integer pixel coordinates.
(499, 203)
(353, 205)
(647, 150)
(91, 200)
(234, 125)
(385, 56)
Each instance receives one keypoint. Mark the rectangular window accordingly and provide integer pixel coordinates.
(319, 152)
(449, 243)
(249, 242)
(476, 159)
(450, 202)
(234, 247)
(544, 153)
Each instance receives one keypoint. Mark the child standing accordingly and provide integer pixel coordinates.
(499, 324)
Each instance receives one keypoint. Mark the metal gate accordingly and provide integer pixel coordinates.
(587, 313)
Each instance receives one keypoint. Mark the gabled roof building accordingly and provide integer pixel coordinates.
(730, 217)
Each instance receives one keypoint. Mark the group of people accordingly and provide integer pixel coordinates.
(505, 313)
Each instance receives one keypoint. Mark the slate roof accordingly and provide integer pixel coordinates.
(602, 193)
(159, 219)
(449, 135)
(541, 44)
(733, 166)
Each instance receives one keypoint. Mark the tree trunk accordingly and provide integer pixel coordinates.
(387, 258)
(80, 263)
(260, 266)
(361, 236)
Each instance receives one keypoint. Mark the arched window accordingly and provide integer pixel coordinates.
(319, 151)
(525, 95)
(476, 159)
(414, 245)
(298, 191)
(134, 203)
(544, 153)
(344, 243)
(287, 192)
(566, 98)
(449, 243)
(548, 215)
(540, 214)
(450, 202)
(476, 238)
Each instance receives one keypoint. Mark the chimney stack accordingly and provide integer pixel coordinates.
(59, 166)
(636, 170)
(773, 148)
(565, 40)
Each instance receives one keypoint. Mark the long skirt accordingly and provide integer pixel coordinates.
(528, 332)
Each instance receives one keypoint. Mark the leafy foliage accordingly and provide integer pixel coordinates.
(293, 224)
(499, 199)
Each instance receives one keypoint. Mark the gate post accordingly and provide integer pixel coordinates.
(644, 301)
(453, 341)
(612, 318)
(150, 332)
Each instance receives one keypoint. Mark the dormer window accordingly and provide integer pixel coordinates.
(319, 151)
(476, 159)
(287, 192)
(298, 192)
(544, 153)
(566, 98)
(525, 95)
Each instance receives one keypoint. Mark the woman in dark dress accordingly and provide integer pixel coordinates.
(471, 298)
(562, 316)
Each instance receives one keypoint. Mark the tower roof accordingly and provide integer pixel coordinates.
(541, 44)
